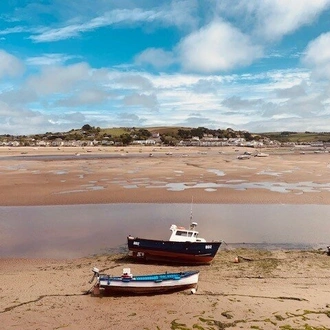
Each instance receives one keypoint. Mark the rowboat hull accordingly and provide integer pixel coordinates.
(172, 252)
(148, 284)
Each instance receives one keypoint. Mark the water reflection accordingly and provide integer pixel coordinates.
(80, 230)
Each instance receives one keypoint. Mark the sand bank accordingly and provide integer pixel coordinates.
(156, 175)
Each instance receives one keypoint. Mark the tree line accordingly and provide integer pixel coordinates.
(168, 137)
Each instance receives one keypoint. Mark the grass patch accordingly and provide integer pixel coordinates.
(279, 317)
(178, 326)
(227, 315)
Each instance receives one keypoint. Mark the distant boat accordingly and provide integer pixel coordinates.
(184, 247)
(243, 156)
(261, 154)
(127, 284)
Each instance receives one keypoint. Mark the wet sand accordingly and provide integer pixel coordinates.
(170, 175)
(265, 290)
(273, 290)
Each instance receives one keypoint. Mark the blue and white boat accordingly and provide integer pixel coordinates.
(127, 284)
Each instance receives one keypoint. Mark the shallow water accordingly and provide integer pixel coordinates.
(80, 230)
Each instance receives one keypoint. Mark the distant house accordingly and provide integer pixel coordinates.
(14, 144)
(317, 144)
(150, 142)
(236, 141)
(144, 142)
(58, 142)
(42, 143)
(107, 142)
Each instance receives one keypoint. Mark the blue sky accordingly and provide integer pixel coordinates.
(249, 65)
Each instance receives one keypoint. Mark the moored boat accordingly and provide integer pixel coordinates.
(184, 246)
(127, 284)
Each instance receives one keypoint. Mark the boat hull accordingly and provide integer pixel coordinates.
(173, 252)
(148, 284)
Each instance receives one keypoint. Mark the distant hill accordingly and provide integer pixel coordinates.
(298, 137)
(117, 131)
(171, 133)
(284, 136)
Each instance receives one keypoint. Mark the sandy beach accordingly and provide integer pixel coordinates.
(265, 290)
(273, 290)
(155, 175)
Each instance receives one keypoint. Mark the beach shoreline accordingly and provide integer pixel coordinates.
(264, 290)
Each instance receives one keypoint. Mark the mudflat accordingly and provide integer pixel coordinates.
(263, 290)
(52, 176)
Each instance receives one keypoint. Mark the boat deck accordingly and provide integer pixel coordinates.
(149, 278)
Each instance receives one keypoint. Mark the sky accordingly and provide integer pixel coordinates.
(255, 65)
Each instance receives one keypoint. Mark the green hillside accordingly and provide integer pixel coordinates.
(299, 137)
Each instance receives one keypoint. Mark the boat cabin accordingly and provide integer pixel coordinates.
(126, 273)
(181, 234)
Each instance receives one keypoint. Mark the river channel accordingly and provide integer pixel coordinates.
(82, 230)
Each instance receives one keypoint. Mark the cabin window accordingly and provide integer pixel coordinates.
(181, 233)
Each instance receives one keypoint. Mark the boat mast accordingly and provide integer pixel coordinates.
(191, 214)
(192, 224)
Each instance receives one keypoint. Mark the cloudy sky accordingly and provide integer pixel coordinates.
(249, 65)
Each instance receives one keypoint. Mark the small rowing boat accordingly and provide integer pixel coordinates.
(127, 284)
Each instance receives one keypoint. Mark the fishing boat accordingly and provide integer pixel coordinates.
(149, 284)
(184, 246)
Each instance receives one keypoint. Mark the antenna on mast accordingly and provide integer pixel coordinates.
(192, 224)
(191, 214)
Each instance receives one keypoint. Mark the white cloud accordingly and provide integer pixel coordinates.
(245, 105)
(75, 117)
(215, 101)
(317, 56)
(14, 119)
(13, 30)
(168, 15)
(10, 65)
(127, 120)
(289, 123)
(144, 100)
(18, 96)
(276, 18)
(181, 13)
(6, 110)
(217, 47)
(197, 120)
(48, 59)
(58, 79)
(84, 97)
(109, 18)
(156, 57)
(271, 19)
(292, 92)
(131, 80)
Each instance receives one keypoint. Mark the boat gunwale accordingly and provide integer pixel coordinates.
(172, 242)
(173, 276)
